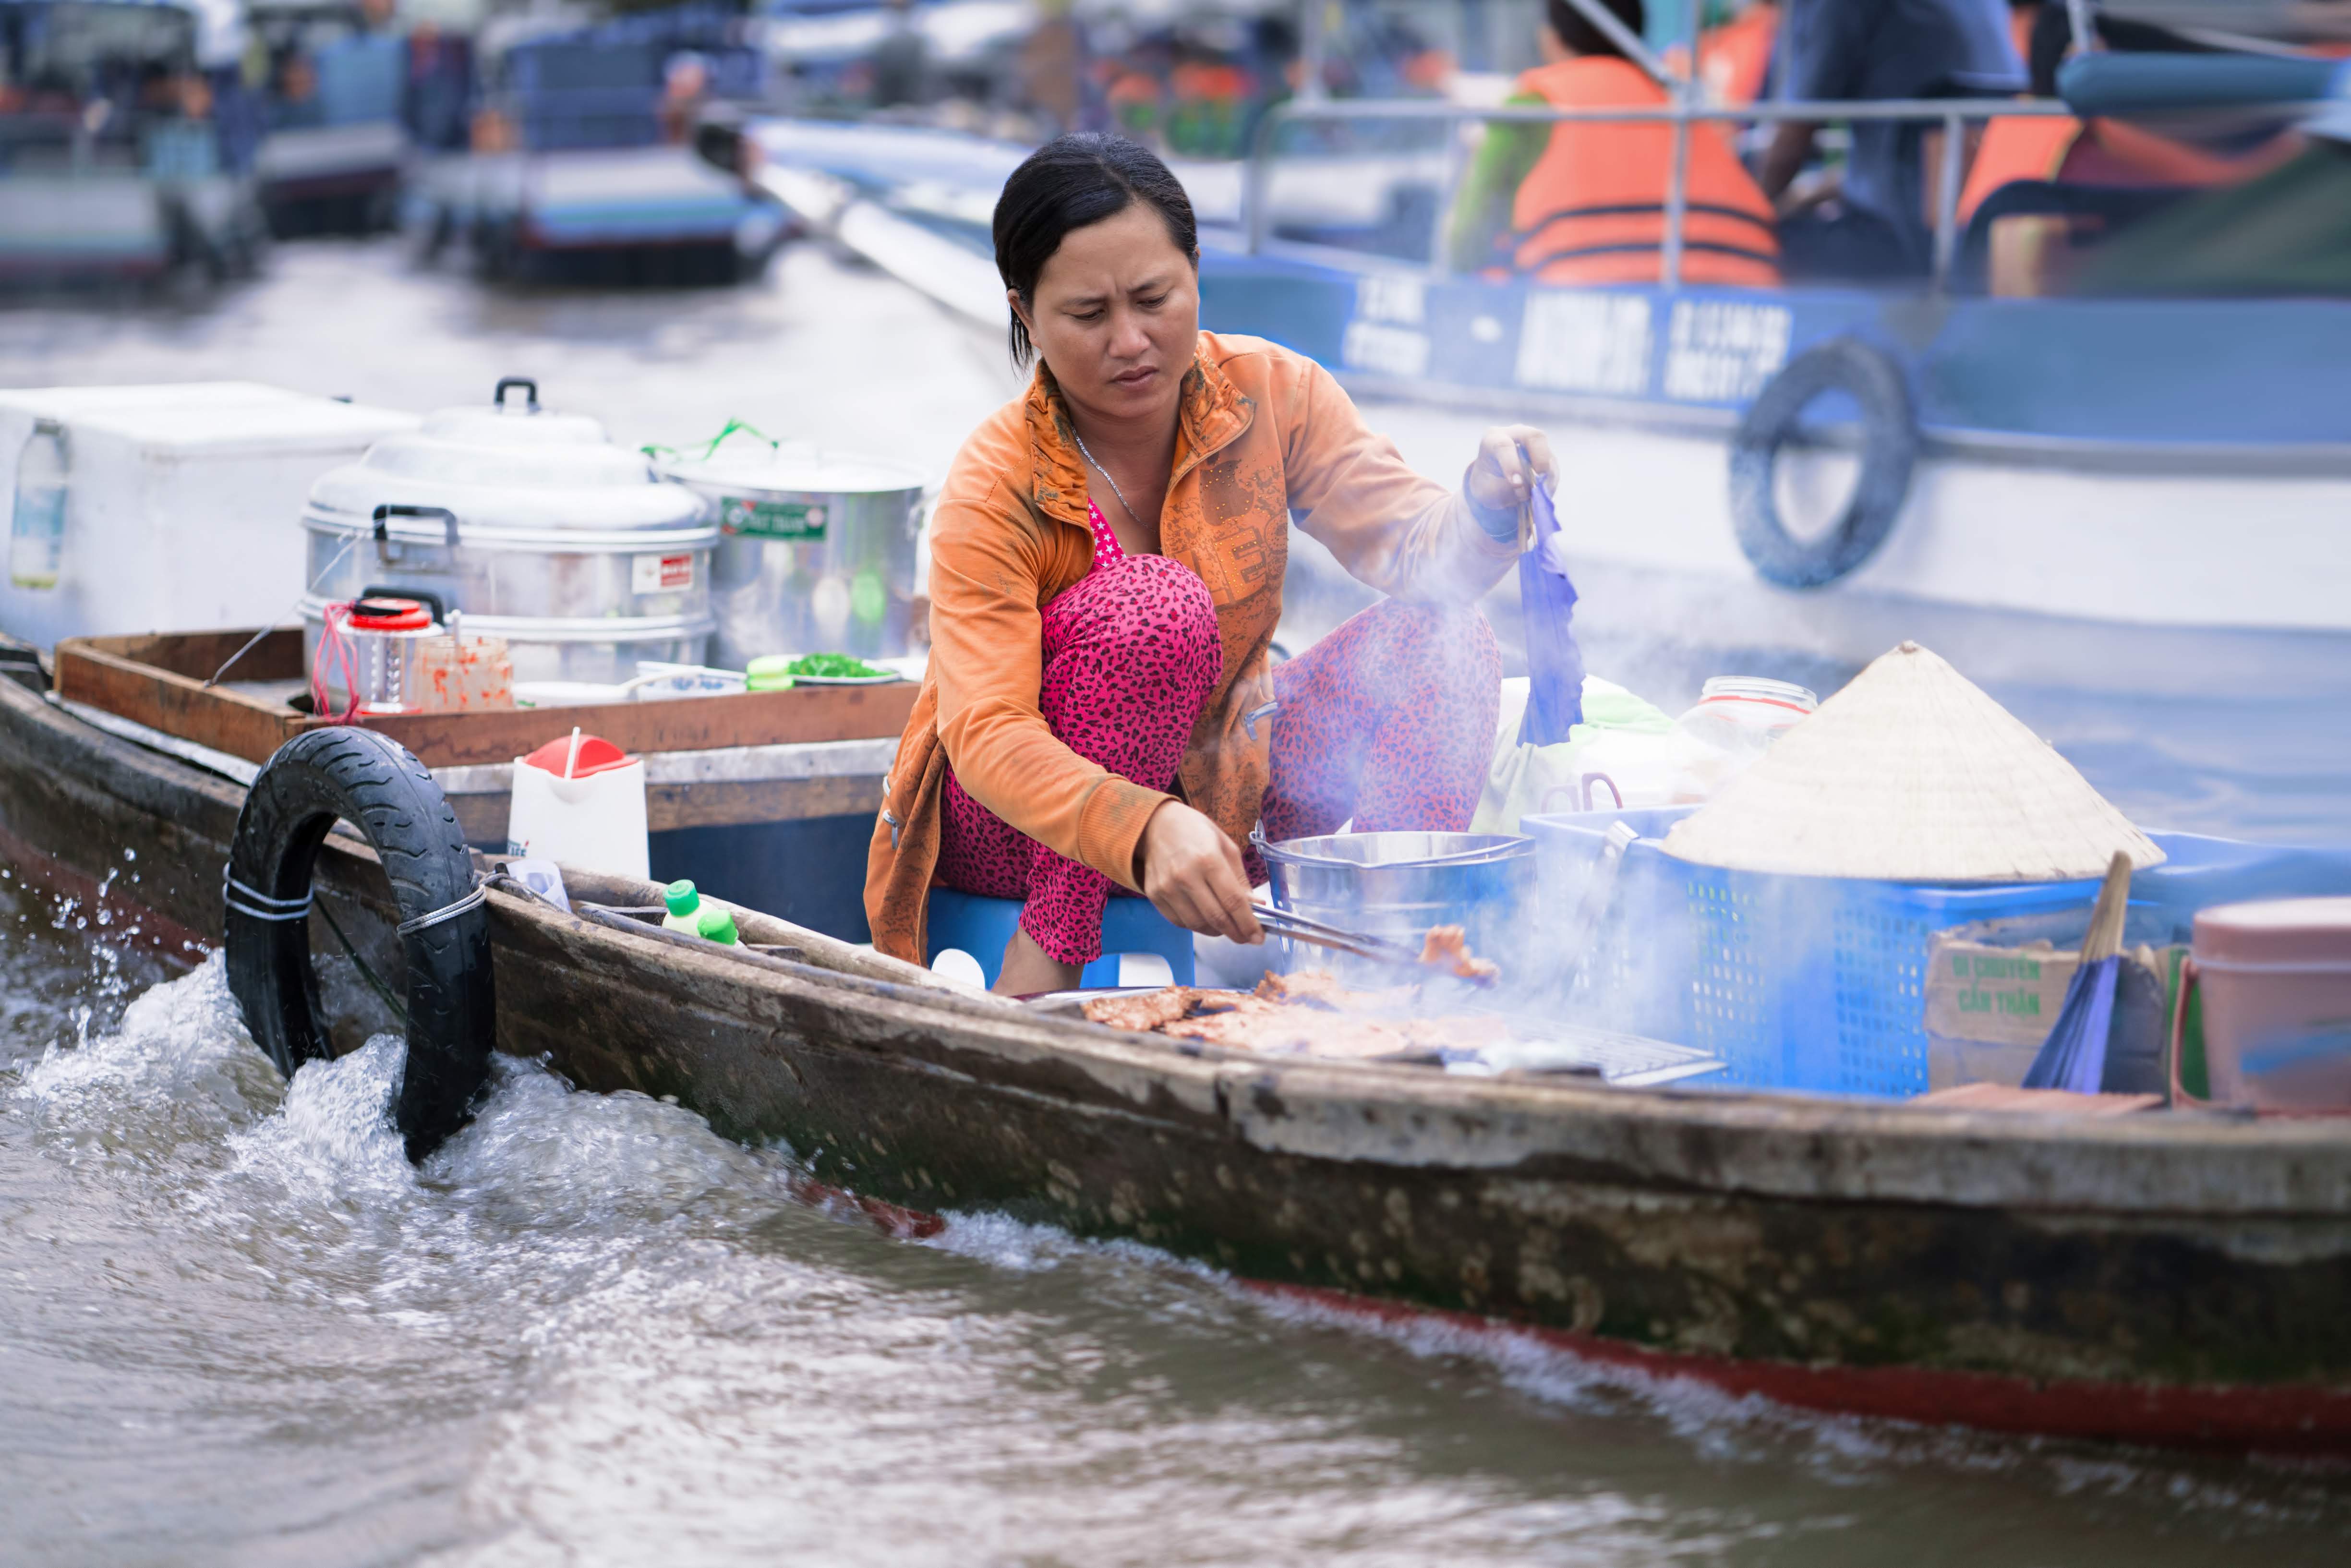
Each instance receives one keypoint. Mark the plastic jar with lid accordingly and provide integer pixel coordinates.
(1734, 722)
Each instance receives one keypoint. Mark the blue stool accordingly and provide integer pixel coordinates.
(981, 926)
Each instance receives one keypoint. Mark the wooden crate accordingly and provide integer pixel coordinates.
(157, 680)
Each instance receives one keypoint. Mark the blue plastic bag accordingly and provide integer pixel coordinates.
(1546, 605)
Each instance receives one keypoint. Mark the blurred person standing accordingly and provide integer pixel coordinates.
(901, 62)
(1873, 224)
(1585, 201)
(1053, 67)
(686, 88)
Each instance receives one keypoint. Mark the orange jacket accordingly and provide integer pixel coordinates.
(1734, 60)
(1261, 432)
(2016, 147)
(1592, 209)
(2102, 153)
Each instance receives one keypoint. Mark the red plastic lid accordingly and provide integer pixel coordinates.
(597, 755)
(390, 615)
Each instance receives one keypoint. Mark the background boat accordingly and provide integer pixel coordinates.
(2138, 494)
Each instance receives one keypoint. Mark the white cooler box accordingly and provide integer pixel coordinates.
(184, 506)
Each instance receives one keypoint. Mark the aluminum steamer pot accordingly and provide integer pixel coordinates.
(1399, 884)
(534, 525)
(819, 552)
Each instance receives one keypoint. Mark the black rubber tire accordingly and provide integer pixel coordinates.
(375, 783)
(1889, 451)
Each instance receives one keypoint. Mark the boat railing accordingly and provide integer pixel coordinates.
(1681, 111)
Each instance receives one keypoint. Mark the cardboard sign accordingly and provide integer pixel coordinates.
(1996, 996)
(1989, 1009)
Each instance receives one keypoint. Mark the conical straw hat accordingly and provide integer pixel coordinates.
(1912, 774)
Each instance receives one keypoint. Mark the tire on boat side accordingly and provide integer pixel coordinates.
(378, 785)
(1889, 451)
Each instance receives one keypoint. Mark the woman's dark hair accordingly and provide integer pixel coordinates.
(1578, 34)
(1070, 182)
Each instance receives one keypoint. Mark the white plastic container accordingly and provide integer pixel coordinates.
(1735, 721)
(2276, 981)
(36, 523)
(580, 802)
(180, 501)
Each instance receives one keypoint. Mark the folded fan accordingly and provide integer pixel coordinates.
(2075, 1055)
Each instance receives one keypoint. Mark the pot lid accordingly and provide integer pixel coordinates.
(2282, 932)
(788, 470)
(508, 464)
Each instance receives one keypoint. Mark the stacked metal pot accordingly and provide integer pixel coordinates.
(533, 525)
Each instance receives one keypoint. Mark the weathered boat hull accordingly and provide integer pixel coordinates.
(2167, 1278)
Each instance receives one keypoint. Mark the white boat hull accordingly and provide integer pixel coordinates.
(2017, 568)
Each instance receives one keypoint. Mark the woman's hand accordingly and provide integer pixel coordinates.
(1192, 874)
(1498, 478)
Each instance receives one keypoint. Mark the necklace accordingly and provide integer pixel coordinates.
(1105, 473)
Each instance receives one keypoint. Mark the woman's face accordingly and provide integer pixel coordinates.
(1116, 314)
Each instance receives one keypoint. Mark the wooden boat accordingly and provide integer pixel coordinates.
(2162, 1278)
(574, 179)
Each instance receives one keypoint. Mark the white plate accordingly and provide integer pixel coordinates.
(887, 677)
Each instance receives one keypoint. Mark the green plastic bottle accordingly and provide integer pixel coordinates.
(685, 903)
(716, 922)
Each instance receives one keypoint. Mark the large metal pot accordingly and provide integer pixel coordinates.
(534, 525)
(1398, 885)
(819, 552)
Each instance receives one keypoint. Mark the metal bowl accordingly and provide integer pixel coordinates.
(1399, 884)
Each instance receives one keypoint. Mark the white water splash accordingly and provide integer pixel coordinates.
(333, 1134)
(180, 1063)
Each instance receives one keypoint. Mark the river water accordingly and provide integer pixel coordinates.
(236, 1328)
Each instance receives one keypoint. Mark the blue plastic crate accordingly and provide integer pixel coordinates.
(1819, 983)
(1640, 972)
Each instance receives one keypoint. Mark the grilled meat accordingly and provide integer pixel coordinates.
(1309, 1011)
(1142, 1013)
(1449, 946)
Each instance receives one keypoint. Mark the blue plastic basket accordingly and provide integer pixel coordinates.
(1819, 983)
(1796, 982)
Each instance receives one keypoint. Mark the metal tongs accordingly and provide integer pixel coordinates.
(1298, 928)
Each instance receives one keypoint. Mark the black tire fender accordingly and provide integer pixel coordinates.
(1889, 451)
(378, 785)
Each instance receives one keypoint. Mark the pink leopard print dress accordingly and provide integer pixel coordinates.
(1388, 720)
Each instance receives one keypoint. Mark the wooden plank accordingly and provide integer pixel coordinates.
(2042, 1101)
(157, 680)
(277, 658)
(705, 805)
(692, 724)
(177, 704)
(718, 805)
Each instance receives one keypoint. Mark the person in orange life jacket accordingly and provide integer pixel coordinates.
(2112, 155)
(1584, 202)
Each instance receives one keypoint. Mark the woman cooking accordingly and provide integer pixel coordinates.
(1101, 706)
